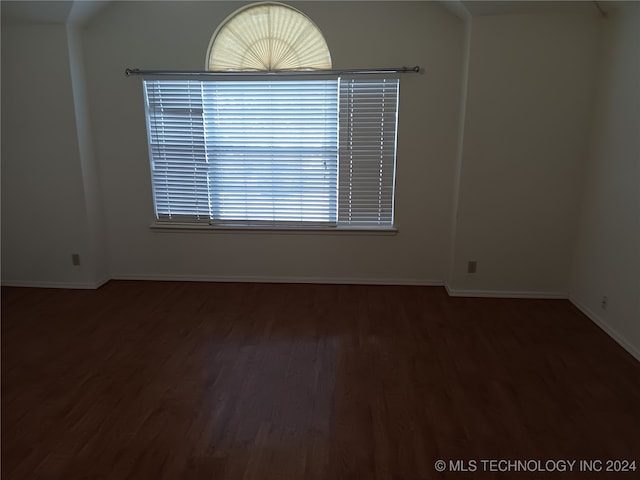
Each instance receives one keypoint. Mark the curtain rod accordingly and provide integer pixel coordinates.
(362, 71)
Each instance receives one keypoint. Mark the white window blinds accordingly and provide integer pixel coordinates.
(273, 152)
(177, 150)
(368, 130)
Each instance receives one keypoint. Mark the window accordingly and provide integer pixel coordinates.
(273, 152)
(268, 36)
(304, 151)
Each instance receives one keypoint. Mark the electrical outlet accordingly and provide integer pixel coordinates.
(75, 259)
(472, 266)
(604, 303)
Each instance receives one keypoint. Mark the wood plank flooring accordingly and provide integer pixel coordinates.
(153, 380)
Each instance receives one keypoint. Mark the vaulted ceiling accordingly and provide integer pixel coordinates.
(72, 11)
(472, 8)
(80, 11)
(480, 8)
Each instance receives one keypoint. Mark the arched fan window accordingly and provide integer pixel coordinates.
(268, 37)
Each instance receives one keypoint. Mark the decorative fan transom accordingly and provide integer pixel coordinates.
(268, 37)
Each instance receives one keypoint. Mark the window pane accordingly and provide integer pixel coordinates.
(275, 152)
(272, 150)
(368, 126)
(177, 149)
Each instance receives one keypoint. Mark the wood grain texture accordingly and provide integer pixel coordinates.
(153, 380)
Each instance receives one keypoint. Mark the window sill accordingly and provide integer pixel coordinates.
(205, 228)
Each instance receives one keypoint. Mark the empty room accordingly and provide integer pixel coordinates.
(320, 240)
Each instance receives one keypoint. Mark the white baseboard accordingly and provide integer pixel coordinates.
(504, 294)
(70, 285)
(269, 279)
(620, 340)
(340, 281)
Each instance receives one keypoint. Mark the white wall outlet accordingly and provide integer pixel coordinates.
(472, 266)
(75, 259)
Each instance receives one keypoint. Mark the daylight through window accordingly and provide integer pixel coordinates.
(276, 151)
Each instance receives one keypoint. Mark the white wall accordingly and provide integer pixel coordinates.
(529, 98)
(462, 116)
(175, 35)
(96, 259)
(607, 260)
(536, 173)
(43, 204)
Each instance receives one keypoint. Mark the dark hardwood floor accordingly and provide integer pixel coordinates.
(143, 380)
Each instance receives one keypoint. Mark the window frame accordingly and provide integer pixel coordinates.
(282, 227)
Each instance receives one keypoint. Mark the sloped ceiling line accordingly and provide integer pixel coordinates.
(75, 12)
